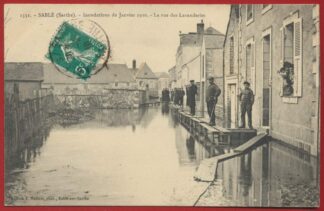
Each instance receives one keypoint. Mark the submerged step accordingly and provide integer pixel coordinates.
(255, 140)
(207, 169)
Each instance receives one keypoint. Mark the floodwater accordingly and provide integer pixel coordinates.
(145, 157)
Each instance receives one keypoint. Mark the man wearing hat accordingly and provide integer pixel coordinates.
(212, 93)
(247, 100)
(192, 91)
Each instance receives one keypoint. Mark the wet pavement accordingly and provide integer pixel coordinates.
(145, 157)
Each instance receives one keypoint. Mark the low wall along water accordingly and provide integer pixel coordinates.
(114, 98)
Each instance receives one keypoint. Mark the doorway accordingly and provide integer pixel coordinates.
(232, 103)
(266, 46)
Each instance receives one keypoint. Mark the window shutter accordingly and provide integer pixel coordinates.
(253, 66)
(282, 38)
(298, 66)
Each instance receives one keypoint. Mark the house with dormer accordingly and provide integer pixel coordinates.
(146, 78)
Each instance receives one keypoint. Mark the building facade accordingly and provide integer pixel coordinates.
(112, 76)
(276, 49)
(25, 78)
(199, 56)
(146, 79)
(163, 81)
(172, 77)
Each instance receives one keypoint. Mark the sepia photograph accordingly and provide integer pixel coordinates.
(205, 105)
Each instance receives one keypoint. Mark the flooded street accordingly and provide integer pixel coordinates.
(145, 157)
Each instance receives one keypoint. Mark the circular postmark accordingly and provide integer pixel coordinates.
(79, 49)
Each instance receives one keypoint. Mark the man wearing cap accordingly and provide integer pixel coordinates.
(247, 100)
(212, 93)
(192, 91)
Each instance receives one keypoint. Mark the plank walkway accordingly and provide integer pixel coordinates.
(207, 169)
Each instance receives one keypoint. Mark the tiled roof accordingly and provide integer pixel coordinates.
(162, 75)
(114, 73)
(213, 38)
(190, 39)
(211, 30)
(144, 71)
(23, 71)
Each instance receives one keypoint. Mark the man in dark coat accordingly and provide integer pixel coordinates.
(247, 100)
(187, 91)
(181, 95)
(176, 96)
(212, 94)
(167, 95)
(192, 91)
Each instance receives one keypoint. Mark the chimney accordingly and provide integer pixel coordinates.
(134, 64)
(200, 27)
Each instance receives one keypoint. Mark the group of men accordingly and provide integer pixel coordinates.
(212, 93)
(177, 96)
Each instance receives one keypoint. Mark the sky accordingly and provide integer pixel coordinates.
(153, 40)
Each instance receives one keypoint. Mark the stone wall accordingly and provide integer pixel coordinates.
(113, 98)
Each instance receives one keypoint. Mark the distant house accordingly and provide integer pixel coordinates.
(199, 56)
(163, 81)
(112, 76)
(173, 78)
(145, 78)
(25, 76)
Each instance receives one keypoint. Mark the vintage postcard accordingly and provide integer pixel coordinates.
(162, 105)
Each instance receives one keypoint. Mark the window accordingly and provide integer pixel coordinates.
(231, 55)
(116, 84)
(266, 72)
(291, 57)
(289, 43)
(266, 8)
(249, 14)
(250, 63)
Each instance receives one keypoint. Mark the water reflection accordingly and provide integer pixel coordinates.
(270, 175)
(106, 159)
(190, 144)
(145, 157)
(165, 108)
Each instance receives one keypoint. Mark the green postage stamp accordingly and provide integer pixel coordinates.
(75, 51)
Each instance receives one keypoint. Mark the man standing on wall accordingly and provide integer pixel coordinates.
(192, 91)
(212, 94)
(247, 100)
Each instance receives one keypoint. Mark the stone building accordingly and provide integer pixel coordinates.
(25, 77)
(260, 41)
(112, 76)
(163, 81)
(172, 76)
(199, 56)
(145, 78)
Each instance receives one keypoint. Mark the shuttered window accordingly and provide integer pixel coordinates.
(298, 57)
(291, 51)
